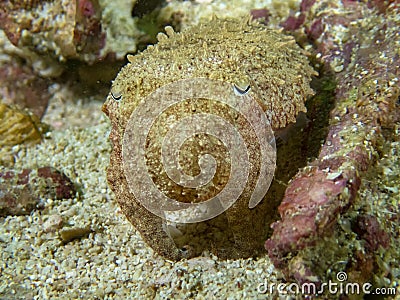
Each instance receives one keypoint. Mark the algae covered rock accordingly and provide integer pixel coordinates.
(22, 191)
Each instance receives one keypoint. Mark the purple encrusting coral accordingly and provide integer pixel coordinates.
(366, 67)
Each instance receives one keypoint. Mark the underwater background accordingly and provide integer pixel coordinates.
(63, 234)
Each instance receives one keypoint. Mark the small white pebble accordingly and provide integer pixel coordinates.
(53, 223)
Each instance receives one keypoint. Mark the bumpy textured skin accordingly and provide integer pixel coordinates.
(228, 50)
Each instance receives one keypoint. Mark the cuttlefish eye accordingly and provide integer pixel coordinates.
(241, 88)
(116, 95)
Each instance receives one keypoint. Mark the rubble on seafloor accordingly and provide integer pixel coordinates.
(20, 193)
(67, 43)
(59, 29)
(359, 43)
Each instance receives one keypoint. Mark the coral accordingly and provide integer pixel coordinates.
(360, 45)
(261, 65)
(88, 35)
(49, 39)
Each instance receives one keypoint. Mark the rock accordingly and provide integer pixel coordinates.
(22, 192)
(18, 201)
(69, 234)
(359, 44)
(61, 29)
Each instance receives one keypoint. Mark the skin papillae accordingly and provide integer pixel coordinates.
(239, 51)
(366, 67)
